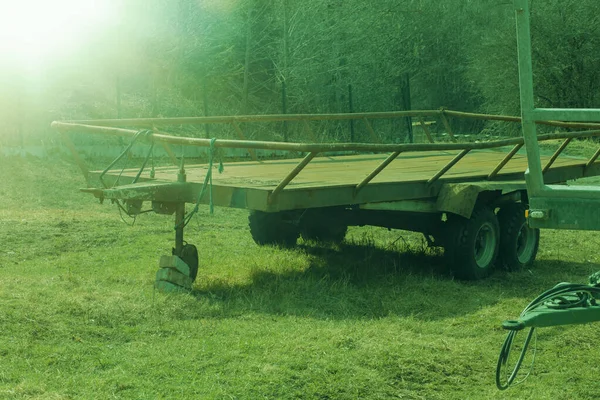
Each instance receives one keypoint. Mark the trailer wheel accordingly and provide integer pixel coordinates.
(518, 242)
(472, 244)
(189, 255)
(273, 229)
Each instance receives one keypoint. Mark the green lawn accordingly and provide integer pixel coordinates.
(376, 318)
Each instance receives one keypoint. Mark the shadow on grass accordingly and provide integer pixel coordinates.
(364, 281)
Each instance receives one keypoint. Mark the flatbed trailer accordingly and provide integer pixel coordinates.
(470, 198)
(332, 180)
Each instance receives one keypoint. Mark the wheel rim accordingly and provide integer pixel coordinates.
(485, 245)
(526, 239)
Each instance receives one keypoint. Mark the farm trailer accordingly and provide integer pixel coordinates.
(470, 198)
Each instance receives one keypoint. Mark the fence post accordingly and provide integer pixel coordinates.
(205, 104)
(407, 106)
(284, 109)
(351, 110)
(118, 95)
(155, 101)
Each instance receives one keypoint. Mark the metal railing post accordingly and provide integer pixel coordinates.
(534, 175)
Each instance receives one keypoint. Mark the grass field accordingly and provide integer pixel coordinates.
(378, 317)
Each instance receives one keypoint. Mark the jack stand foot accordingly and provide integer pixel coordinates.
(173, 275)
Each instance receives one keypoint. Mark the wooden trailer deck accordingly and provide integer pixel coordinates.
(376, 172)
(333, 181)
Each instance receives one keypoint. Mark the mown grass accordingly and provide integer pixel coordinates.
(378, 317)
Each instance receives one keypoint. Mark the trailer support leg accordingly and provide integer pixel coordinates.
(178, 271)
(179, 218)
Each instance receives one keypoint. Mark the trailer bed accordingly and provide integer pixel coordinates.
(332, 181)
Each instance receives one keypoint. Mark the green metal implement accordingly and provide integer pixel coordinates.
(564, 304)
(551, 206)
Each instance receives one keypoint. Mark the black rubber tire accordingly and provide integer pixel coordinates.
(472, 245)
(273, 229)
(519, 243)
(189, 255)
(328, 232)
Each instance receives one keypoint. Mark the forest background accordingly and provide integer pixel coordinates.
(231, 57)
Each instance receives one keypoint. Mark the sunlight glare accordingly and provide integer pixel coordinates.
(35, 31)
